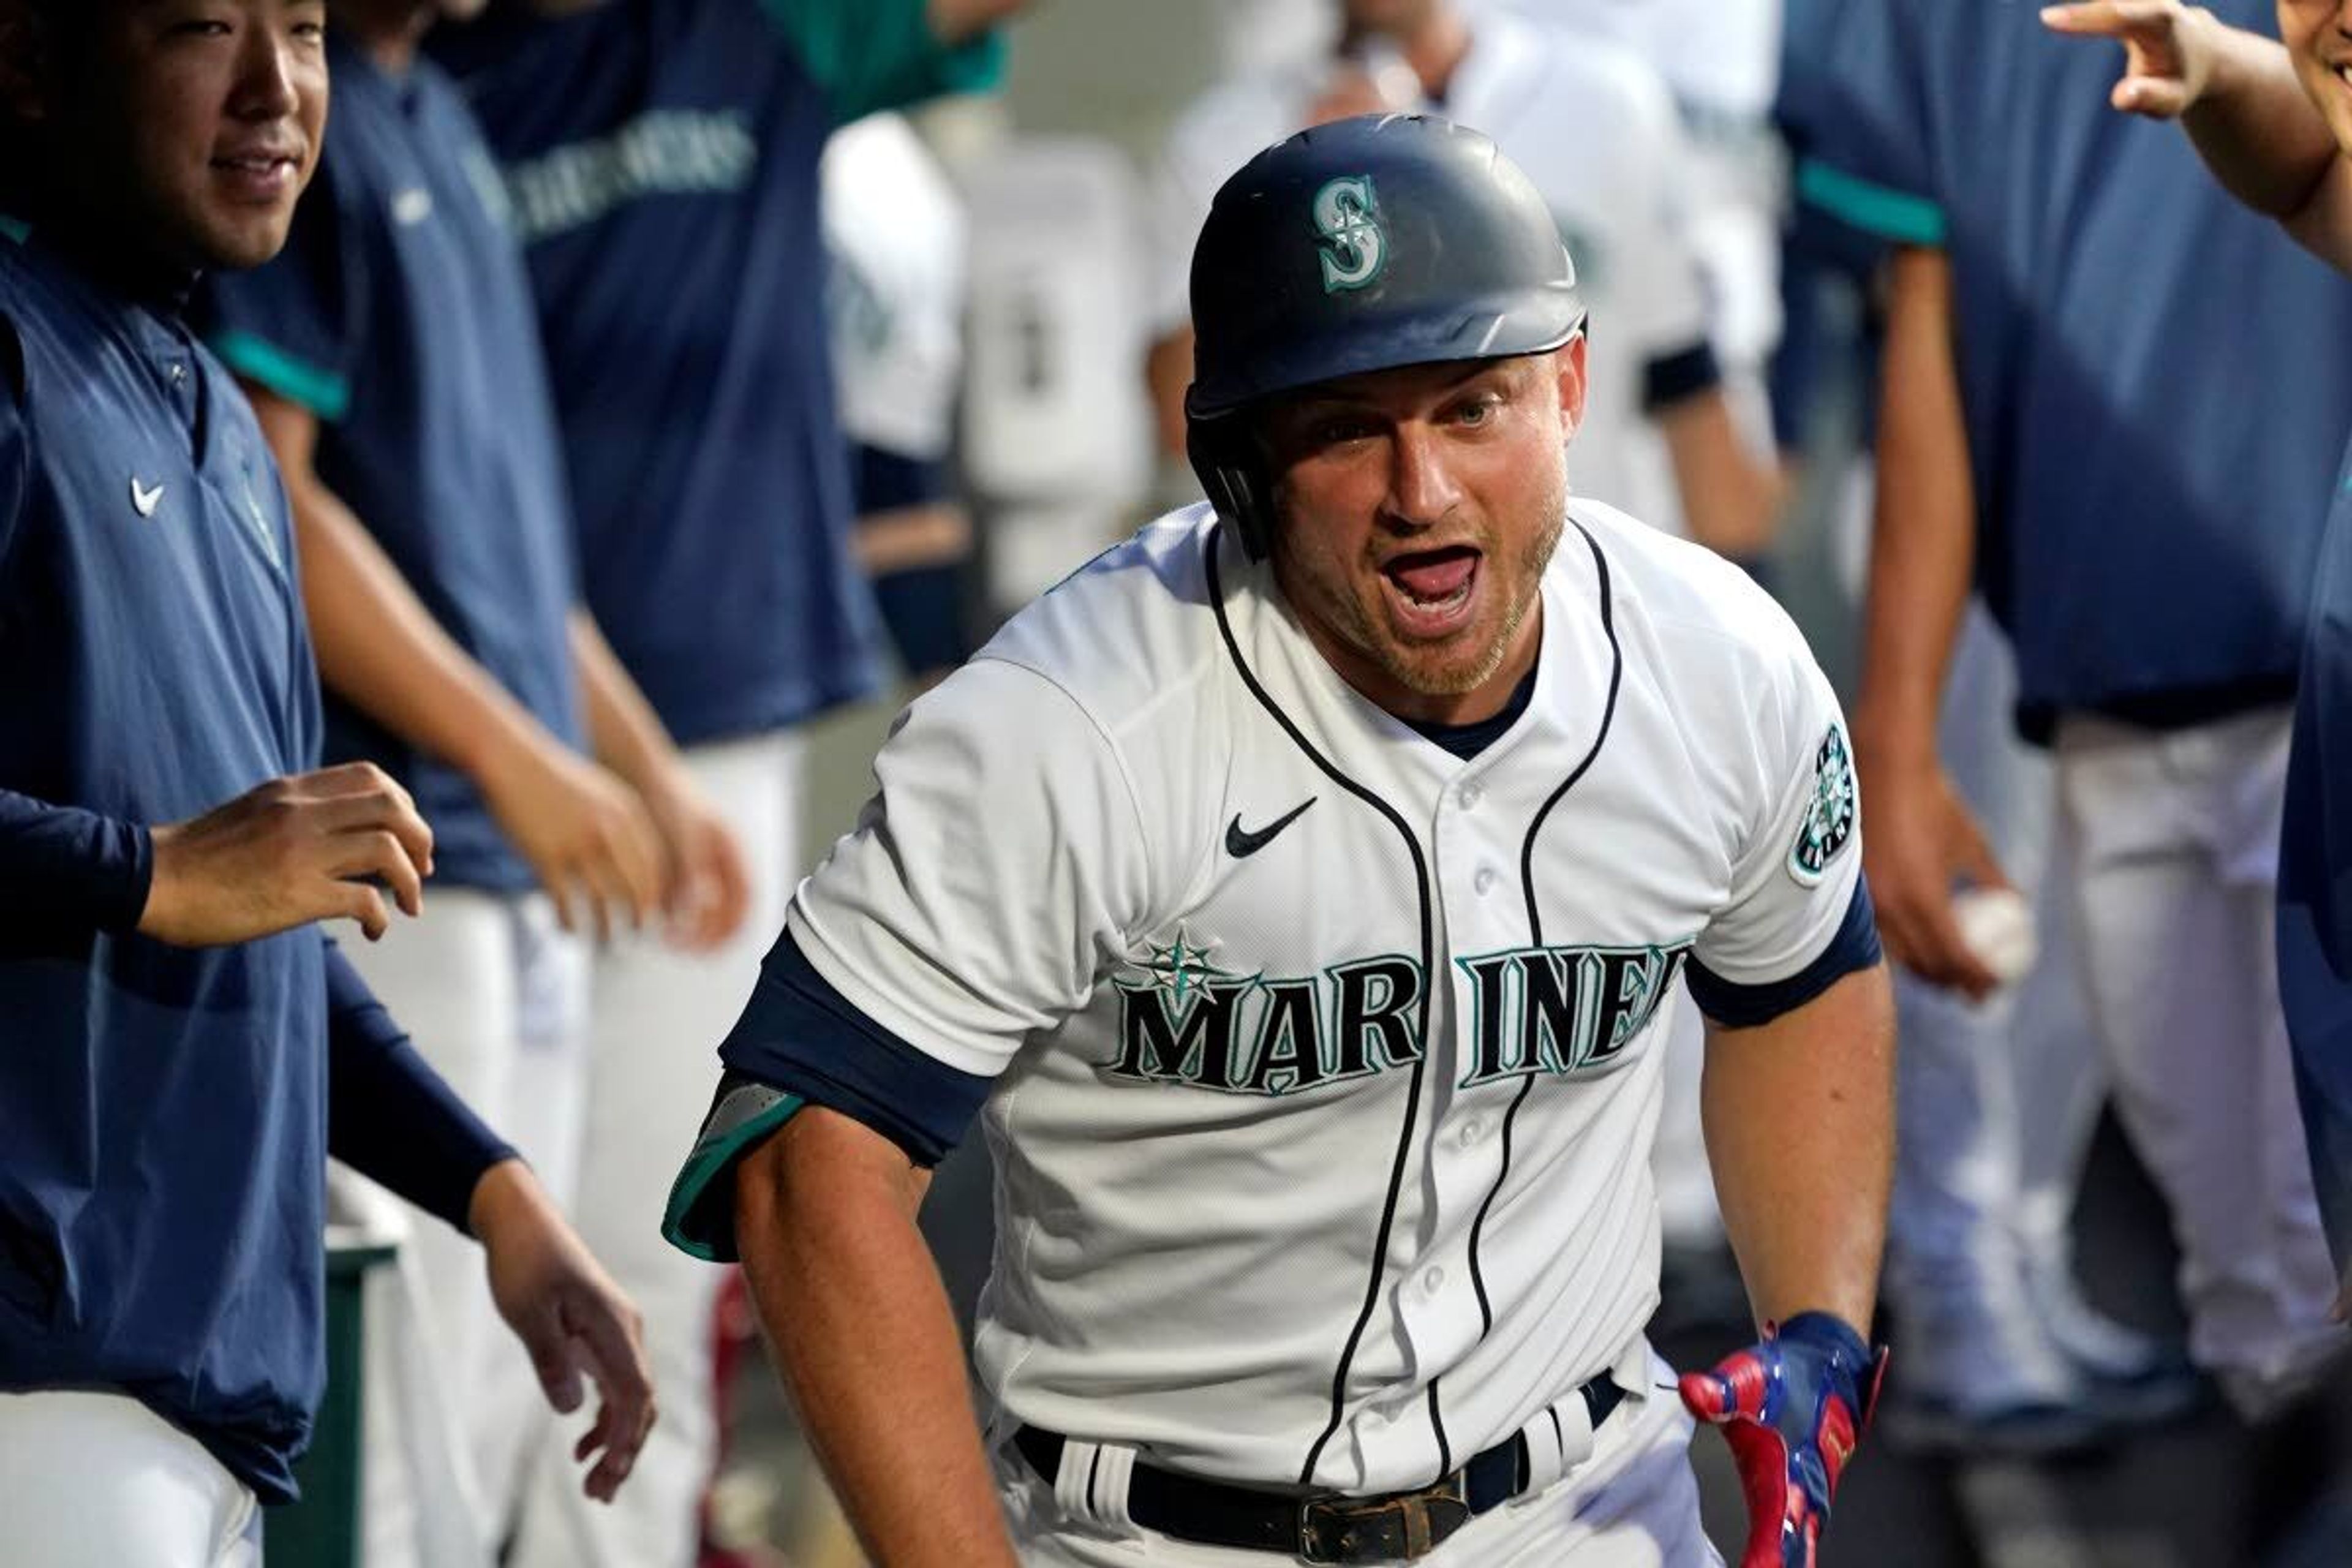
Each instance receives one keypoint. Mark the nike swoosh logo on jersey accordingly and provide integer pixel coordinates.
(1240, 845)
(143, 500)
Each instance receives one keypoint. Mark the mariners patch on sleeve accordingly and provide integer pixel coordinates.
(1828, 826)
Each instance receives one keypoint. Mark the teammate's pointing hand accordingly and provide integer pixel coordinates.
(2168, 49)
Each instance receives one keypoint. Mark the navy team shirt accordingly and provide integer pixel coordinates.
(399, 314)
(165, 1118)
(662, 158)
(2153, 433)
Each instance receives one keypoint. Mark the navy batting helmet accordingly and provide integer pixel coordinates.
(1363, 244)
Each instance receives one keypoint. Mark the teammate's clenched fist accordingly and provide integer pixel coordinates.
(1792, 1407)
(293, 850)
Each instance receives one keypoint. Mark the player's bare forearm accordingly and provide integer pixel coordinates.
(624, 730)
(378, 646)
(1730, 495)
(2253, 126)
(1799, 1117)
(1923, 529)
(862, 1333)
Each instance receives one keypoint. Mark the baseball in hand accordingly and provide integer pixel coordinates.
(1997, 925)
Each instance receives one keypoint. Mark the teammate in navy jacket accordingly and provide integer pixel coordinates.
(175, 1019)
(2274, 124)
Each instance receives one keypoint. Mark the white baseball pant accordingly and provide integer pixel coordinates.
(97, 1480)
(655, 1017)
(494, 994)
(1632, 1503)
(2175, 838)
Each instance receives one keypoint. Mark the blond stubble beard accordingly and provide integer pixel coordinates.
(1361, 627)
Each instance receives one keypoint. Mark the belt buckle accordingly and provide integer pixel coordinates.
(1407, 1526)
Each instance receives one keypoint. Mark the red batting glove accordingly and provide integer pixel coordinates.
(1792, 1407)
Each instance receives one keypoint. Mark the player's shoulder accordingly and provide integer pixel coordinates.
(1133, 631)
(1699, 614)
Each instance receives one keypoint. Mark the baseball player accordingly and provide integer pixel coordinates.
(2247, 103)
(184, 1047)
(662, 158)
(2146, 546)
(1304, 889)
(392, 354)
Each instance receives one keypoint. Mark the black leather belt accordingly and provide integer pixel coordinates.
(1327, 1527)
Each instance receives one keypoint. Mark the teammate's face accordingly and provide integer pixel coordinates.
(1419, 508)
(2318, 35)
(188, 127)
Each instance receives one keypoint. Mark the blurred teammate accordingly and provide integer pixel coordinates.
(2055, 420)
(392, 356)
(896, 235)
(2274, 124)
(662, 159)
(184, 1046)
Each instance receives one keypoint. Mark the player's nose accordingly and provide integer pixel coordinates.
(1422, 485)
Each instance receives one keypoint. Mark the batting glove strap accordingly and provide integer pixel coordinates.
(1791, 1408)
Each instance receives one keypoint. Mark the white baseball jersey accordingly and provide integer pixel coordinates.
(1326, 1062)
(1595, 130)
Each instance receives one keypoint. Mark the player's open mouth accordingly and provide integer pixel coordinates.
(1431, 589)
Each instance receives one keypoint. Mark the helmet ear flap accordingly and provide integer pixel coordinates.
(1234, 474)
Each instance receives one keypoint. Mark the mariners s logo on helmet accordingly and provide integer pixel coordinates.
(1355, 245)
(1828, 819)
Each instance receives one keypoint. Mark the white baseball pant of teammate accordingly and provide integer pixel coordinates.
(1152, 909)
(652, 1007)
(2173, 837)
(90, 1478)
(1998, 1100)
(495, 995)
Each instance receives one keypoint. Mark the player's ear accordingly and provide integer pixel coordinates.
(1568, 367)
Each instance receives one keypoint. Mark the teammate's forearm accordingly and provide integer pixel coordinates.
(380, 649)
(861, 1330)
(1799, 1119)
(624, 730)
(1730, 495)
(2253, 125)
(1923, 530)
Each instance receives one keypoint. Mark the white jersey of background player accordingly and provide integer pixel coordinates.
(1595, 127)
(1318, 1009)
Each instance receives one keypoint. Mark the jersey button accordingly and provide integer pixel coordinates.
(1484, 881)
(1470, 795)
(1433, 1279)
(1472, 1131)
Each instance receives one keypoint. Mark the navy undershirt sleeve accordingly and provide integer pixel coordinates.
(390, 1116)
(1672, 377)
(799, 1035)
(1737, 1006)
(66, 873)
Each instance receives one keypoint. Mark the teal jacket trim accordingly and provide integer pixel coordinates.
(1873, 208)
(323, 393)
(700, 1218)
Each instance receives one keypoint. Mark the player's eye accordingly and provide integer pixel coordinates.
(1340, 429)
(1478, 410)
